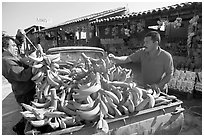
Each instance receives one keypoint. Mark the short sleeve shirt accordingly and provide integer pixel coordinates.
(155, 67)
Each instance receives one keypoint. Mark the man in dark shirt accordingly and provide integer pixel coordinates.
(18, 75)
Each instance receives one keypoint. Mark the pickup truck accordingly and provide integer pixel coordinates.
(160, 120)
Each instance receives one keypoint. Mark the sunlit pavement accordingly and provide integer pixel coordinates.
(10, 109)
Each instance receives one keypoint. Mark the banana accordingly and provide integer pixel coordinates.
(34, 71)
(129, 103)
(165, 102)
(54, 65)
(116, 74)
(145, 91)
(79, 106)
(56, 77)
(56, 59)
(39, 96)
(40, 79)
(110, 101)
(28, 115)
(80, 96)
(68, 111)
(117, 92)
(138, 90)
(131, 106)
(43, 85)
(40, 123)
(112, 88)
(61, 123)
(122, 77)
(90, 114)
(62, 98)
(171, 97)
(63, 71)
(41, 105)
(129, 96)
(38, 66)
(160, 99)
(65, 77)
(109, 116)
(135, 97)
(110, 109)
(47, 60)
(111, 74)
(27, 107)
(142, 104)
(103, 106)
(38, 114)
(84, 86)
(108, 63)
(69, 121)
(106, 76)
(111, 95)
(54, 99)
(46, 90)
(53, 56)
(117, 112)
(155, 94)
(36, 76)
(151, 101)
(103, 66)
(125, 109)
(95, 87)
(53, 114)
(35, 59)
(50, 79)
(120, 84)
(70, 104)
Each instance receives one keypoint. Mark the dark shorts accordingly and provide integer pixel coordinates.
(26, 98)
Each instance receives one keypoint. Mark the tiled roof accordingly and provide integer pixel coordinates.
(91, 16)
(135, 14)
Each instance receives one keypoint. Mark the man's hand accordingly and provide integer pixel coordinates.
(111, 57)
(27, 61)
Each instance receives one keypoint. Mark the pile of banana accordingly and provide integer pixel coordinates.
(91, 90)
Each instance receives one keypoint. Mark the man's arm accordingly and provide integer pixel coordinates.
(164, 81)
(119, 60)
(16, 72)
(169, 68)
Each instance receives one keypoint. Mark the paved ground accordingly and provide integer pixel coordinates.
(11, 115)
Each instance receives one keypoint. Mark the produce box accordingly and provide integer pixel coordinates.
(80, 91)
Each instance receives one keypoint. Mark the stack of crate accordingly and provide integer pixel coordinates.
(182, 82)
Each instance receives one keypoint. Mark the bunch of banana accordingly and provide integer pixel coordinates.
(48, 113)
(90, 114)
(91, 91)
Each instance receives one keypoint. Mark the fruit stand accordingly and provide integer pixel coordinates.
(89, 94)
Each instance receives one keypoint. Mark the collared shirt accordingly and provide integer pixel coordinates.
(17, 73)
(153, 66)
